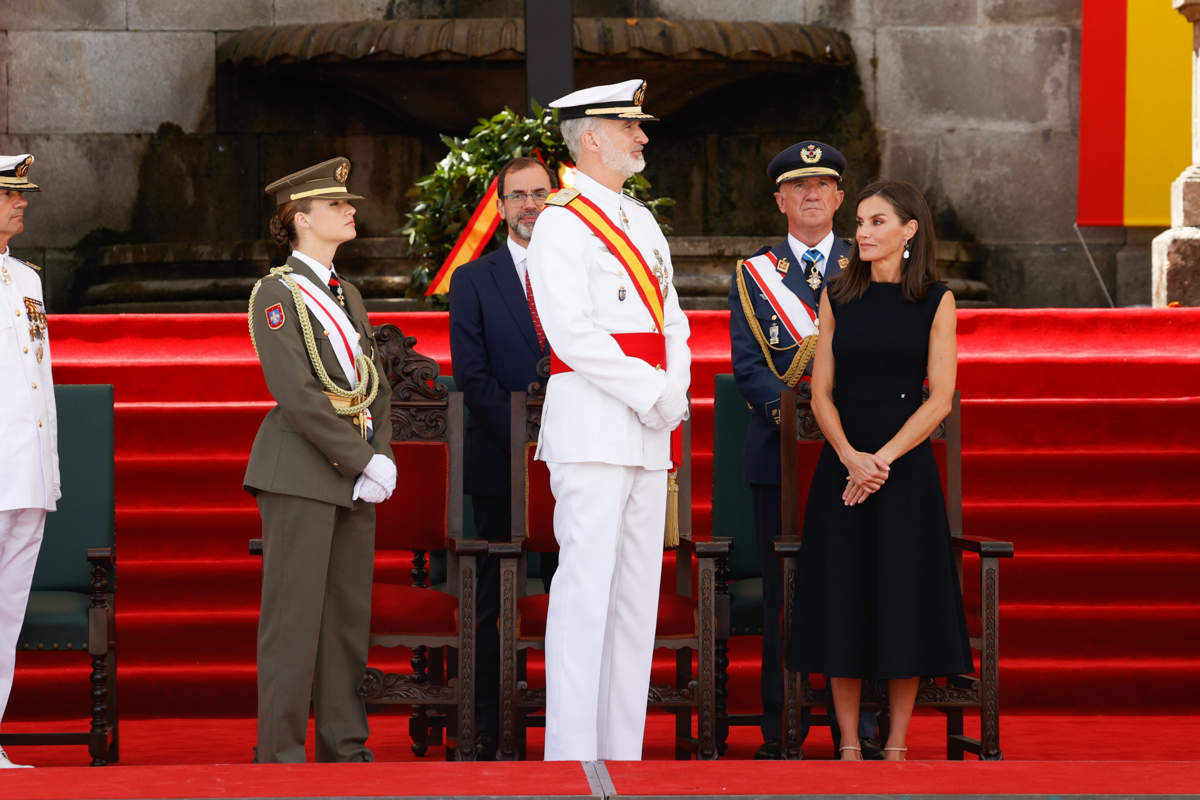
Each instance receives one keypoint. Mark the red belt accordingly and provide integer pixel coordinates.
(649, 347)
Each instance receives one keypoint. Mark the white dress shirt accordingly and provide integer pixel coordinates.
(799, 248)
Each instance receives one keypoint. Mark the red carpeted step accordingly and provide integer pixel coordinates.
(192, 428)
(1100, 376)
(1073, 578)
(1080, 475)
(1121, 685)
(205, 532)
(1099, 526)
(1101, 631)
(1144, 423)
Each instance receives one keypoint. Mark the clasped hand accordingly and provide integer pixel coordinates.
(669, 410)
(377, 481)
(868, 472)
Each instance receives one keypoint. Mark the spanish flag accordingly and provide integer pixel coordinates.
(1135, 111)
(471, 242)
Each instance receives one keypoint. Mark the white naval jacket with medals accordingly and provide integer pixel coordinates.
(583, 295)
(28, 418)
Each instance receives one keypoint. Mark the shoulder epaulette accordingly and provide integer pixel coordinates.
(29, 264)
(562, 197)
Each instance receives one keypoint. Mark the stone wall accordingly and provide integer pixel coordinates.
(976, 101)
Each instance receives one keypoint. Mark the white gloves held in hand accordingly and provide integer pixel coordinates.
(669, 410)
(377, 481)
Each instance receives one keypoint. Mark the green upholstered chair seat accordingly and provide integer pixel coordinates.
(745, 606)
(55, 621)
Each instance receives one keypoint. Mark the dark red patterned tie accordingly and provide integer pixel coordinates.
(537, 323)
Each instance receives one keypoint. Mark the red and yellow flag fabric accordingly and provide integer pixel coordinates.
(471, 242)
(1134, 111)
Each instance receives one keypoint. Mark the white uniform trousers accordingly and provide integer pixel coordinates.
(608, 521)
(20, 537)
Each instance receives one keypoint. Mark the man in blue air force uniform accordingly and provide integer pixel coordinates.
(771, 351)
(496, 342)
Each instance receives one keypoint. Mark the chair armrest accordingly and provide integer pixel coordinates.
(505, 549)
(256, 547)
(470, 547)
(104, 556)
(786, 546)
(986, 548)
(712, 548)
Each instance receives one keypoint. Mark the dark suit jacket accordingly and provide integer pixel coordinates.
(755, 379)
(494, 351)
(303, 448)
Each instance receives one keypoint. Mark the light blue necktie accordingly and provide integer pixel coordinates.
(811, 258)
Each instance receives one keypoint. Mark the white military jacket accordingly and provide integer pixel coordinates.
(28, 422)
(583, 294)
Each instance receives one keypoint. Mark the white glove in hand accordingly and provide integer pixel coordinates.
(381, 470)
(653, 419)
(672, 404)
(369, 491)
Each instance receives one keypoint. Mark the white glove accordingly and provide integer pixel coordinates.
(672, 404)
(369, 491)
(381, 470)
(653, 419)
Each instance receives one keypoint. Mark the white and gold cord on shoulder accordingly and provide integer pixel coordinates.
(804, 350)
(354, 401)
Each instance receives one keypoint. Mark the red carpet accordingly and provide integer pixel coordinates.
(1082, 446)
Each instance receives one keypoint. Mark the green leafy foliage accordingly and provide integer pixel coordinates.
(444, 201)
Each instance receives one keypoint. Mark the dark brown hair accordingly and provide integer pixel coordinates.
(283, 223)
(919, 271)
(521, 163)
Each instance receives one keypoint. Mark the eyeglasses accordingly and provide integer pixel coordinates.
(538, 196)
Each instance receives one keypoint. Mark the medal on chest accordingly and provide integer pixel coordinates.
(36, 313)
(660, 272)
(773, 333)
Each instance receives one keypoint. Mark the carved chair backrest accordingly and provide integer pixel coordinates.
(426, 509)
(532, 501)
(797, 424)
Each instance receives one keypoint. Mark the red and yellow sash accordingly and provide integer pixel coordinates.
(619, 244)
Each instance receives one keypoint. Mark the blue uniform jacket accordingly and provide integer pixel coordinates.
(494, 351)
(754, 378)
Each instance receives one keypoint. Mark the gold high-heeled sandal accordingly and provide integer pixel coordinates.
(852, 748)
(901, 750)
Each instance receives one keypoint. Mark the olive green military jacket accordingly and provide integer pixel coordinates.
(303, 448)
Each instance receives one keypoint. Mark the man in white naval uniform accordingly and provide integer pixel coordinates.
(28, 425)
(619, 378)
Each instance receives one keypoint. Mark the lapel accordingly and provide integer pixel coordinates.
(512, 293)
(299, 266)
(841, 247)
(796, 277)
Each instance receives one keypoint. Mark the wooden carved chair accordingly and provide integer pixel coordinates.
(425, 516)
(423, 591)
(687, 619)
(71, 605)
(950, 696)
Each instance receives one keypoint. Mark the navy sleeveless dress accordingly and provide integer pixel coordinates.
(878, 593)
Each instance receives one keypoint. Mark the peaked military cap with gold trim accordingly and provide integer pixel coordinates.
(806, 160)
(612, 101)
(326, 180)
(14, 174)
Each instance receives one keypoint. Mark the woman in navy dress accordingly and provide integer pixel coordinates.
(878, 594)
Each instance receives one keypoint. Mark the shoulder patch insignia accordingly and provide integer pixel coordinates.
(275, 316)
(562, 197)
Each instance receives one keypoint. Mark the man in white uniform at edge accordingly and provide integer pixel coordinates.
(28, 423)
(620, 369)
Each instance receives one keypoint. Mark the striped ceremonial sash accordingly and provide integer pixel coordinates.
(798, 319)
(619, 244)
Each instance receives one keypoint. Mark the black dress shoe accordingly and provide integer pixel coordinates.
(770, 750)
(871, 749)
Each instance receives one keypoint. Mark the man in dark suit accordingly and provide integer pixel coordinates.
(768, 330)
(496, 342)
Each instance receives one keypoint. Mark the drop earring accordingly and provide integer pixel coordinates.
(906, 253)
